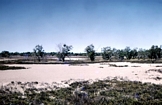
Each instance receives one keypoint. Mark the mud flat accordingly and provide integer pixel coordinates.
(56, 73)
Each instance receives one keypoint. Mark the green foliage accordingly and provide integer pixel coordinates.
(142, 54)
(5, 54)
(130, 54)
(53, 53)
(90, 52)
(38, 52)
(133, 53)
(154, 52)
(14, 53)
(101, 92)
(120, 54)
(107, 53)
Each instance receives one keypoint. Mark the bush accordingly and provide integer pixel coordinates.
(3, 67)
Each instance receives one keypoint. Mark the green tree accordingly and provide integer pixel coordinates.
(53, 53)
(16, 53)
(90, 52)
(127, 51)
(142, 54)
(107, 53)
(38, 52)
(121, 54)
(154, 52)
(63, 51)
(134, 53)
(5, 54)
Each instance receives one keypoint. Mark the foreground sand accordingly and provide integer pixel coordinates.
(57, 73)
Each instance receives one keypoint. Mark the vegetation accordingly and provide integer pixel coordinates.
(90, 52)
(63, 51)
(109, 54)
(155, 52)
(38, 52)
(4, 67)
(5, 54)
(101, 92)
(114, 65)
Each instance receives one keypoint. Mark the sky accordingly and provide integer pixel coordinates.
(116, 23)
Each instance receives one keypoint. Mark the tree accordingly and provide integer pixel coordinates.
(107, 53)
(121, 54)
(127, 52)
(141, 53)
(38, 52)
(90, 52)
(154, 52)
(5, 54)
(63, 51)
(133, 53)
(16, 53)
(114, 53)
(53, 53)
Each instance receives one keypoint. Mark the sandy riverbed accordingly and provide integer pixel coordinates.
(57, 73)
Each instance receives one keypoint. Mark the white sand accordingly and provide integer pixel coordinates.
(57, 73)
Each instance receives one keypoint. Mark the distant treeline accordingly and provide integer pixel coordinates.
(9, 54)
(107, 53)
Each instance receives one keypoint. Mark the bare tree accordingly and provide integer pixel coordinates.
(63, 51)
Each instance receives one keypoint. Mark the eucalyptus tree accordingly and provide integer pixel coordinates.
(154, 52)
(38, 52)
(115, 53)
(127, 51)
(63, 51)
(107, 53)
(133, 54)
(121, 54)
(90, 52)
(5, 54)
(141, 54)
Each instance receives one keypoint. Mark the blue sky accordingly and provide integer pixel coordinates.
(115, 23)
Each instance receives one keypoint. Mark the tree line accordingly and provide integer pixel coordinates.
(107, 53)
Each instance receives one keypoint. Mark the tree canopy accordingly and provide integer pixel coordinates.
(63, 51)
(90, 52)
(38, 52)
(107, 53)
